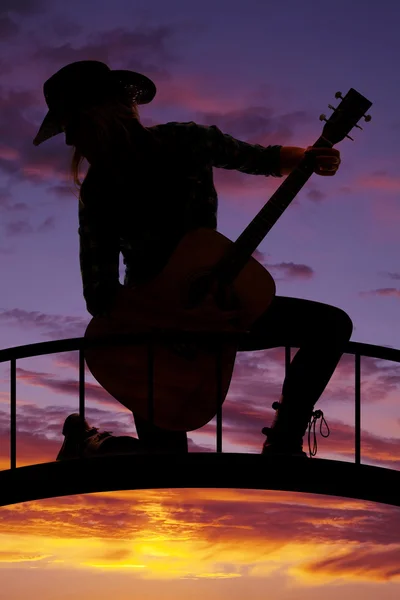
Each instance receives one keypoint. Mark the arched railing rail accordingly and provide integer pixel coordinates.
(80, 344)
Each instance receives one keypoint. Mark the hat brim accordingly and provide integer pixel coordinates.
(49, 128)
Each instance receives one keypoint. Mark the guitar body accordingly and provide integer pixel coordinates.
(185, 387)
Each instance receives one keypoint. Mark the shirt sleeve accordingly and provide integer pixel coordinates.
(99, 250)
(227, 152)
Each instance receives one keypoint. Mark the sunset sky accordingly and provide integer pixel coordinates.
(262, 72)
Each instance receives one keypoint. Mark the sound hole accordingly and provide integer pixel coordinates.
(206, 283)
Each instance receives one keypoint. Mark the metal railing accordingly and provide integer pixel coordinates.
(80, 344)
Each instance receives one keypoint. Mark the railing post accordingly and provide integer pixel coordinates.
(150, 399)
(13, 413)
(287, 359)
(81, 383)
(81, 394)
(357, 408)
(219, 397)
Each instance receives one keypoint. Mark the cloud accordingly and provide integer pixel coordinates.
(379, 180)
(18, 228)
(23, 7)
(382, 292)
(68, 387)
(146, 50)
(316, 195)
(51, 326)
(255, 124)
(293, 270)
(375, 564)
(64, 27)
(63, 191)
(395, 276)
(17, 158)
(243, 532)
(8, 28)
(47, 225)
(289, 270)
(17, 557)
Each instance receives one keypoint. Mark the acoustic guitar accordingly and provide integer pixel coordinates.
(209, 284)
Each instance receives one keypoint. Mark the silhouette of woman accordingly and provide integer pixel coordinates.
(144, 189)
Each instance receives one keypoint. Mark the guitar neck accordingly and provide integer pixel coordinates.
(242, 249)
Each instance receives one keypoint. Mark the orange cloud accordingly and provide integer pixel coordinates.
(360, 562)
(231, 533)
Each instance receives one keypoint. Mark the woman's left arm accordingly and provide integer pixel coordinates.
(98, 255)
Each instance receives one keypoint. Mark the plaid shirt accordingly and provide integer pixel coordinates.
(145, 211)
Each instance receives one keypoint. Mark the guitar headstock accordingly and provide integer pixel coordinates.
(345, 116)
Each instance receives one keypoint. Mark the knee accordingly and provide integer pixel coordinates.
(341, 323)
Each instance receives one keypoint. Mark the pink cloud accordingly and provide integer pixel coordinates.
(382, 292)
(68, 387)
(7, 153)
(380, 180)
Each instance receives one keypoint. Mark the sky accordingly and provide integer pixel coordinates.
(262, 72)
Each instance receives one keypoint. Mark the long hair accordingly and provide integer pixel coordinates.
(106, 123)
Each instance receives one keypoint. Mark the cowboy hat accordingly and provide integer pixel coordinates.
(86, 83)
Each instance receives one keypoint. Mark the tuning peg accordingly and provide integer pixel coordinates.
(322, 117)
(367, 117)
(350, 138)
(339, 95)
(358, 127)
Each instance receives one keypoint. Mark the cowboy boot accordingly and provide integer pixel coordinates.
(285, 436)
(83, 440)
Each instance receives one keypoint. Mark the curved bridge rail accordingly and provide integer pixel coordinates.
(196, 469)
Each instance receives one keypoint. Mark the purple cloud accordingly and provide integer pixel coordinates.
(316, 195)
(47, 225)
(293, 270)
(8, 28)
(395, 276)
(23, 7)
(17, 228)
(52, 326)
